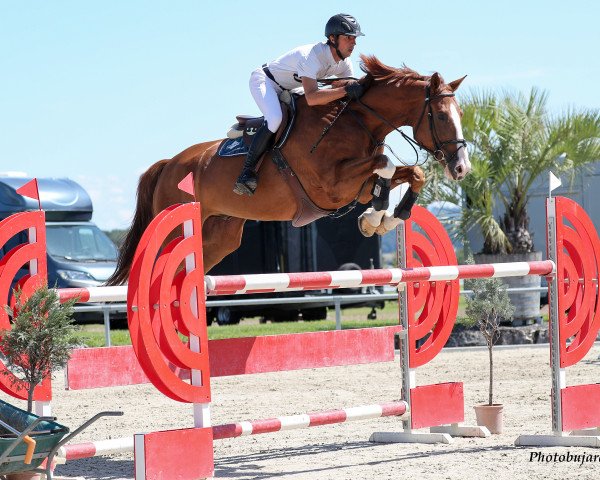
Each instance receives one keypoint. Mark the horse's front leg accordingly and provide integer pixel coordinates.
(370, 220)
(415, 177)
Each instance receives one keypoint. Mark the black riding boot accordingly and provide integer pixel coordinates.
(248, 179)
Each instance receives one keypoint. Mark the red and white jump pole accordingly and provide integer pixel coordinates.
(254, 427)
(94, 294)
(287, 282)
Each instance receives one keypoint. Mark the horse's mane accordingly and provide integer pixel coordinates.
(372, 66)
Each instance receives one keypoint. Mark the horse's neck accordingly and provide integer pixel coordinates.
(400, 106)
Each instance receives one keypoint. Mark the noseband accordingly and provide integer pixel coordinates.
(439, 152)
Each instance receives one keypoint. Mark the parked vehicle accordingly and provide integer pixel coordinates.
(278, 247)
(79, 253)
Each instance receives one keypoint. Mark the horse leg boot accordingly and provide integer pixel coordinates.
(248, 179)
(371, 218)
(401, 212)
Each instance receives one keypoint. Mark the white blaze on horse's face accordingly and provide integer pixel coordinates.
(462, 166)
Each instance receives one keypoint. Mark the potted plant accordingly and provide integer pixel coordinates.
(487, 306)
(39, 342)
(513, 139)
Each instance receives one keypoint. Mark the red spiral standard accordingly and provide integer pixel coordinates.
(31, 255)
(165, 302)
(427, 244)
(578, 269)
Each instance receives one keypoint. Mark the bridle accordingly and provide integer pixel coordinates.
(438, 152)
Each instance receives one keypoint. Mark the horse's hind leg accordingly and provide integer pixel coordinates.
(369, 221)
(220, 237)
(415, 177)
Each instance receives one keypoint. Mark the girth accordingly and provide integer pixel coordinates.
(306, 210)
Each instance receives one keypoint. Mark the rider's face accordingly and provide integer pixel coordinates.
(346, 44)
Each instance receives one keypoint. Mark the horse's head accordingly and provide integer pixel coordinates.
(439, 127)
(425, 103)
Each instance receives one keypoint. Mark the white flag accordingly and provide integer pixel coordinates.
(554, 182)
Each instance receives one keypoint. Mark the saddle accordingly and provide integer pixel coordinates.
(240, 138)
(247, 125)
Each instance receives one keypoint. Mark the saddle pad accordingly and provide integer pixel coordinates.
(232, 147)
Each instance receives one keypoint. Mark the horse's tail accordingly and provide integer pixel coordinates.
(141, 219)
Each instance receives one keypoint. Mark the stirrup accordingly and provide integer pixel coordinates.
(242, 189)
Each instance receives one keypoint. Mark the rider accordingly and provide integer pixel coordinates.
(301, 66)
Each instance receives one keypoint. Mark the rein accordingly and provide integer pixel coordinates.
(329, 125)
(329, 81)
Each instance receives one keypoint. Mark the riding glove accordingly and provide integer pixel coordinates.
(354, 90)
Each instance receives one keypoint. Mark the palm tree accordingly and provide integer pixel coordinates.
(513, 139)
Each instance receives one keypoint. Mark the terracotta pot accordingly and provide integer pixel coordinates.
(23, 476)
(490, 416)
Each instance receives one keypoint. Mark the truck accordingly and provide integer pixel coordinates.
(278, 247)
(79, 253)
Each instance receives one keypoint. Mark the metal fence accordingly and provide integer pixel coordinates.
(336, 300)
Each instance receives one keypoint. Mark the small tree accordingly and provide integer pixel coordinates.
(487, 307)
(41, 338)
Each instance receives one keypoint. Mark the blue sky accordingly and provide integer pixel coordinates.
(98, 91)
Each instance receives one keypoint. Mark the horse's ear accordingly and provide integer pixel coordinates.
(435, 82)
(456, 83)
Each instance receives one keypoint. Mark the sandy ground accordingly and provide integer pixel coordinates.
(343, 451)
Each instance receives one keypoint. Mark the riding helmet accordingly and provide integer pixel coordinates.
(343, 24)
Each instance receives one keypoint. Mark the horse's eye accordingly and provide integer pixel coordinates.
(442, 117)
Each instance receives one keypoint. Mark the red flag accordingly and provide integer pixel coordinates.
(30, 190)
(187, 185)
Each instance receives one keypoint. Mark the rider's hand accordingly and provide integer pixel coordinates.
(354, 90)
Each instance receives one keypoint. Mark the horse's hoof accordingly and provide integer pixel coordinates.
(381, 230)
(365, 227)
(388, 223)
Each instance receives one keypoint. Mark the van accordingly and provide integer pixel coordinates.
(79, 253)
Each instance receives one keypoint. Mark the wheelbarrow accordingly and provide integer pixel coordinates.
(26, 440)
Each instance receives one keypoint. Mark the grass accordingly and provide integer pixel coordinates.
(92, 335)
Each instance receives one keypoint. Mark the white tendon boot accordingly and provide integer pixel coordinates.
(369, 221)
(388, 224)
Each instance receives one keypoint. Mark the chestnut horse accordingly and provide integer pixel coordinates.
(345, 166)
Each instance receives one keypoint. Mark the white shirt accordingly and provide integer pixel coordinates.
(312, 61)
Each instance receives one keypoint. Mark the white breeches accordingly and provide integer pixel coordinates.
(266, 95)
